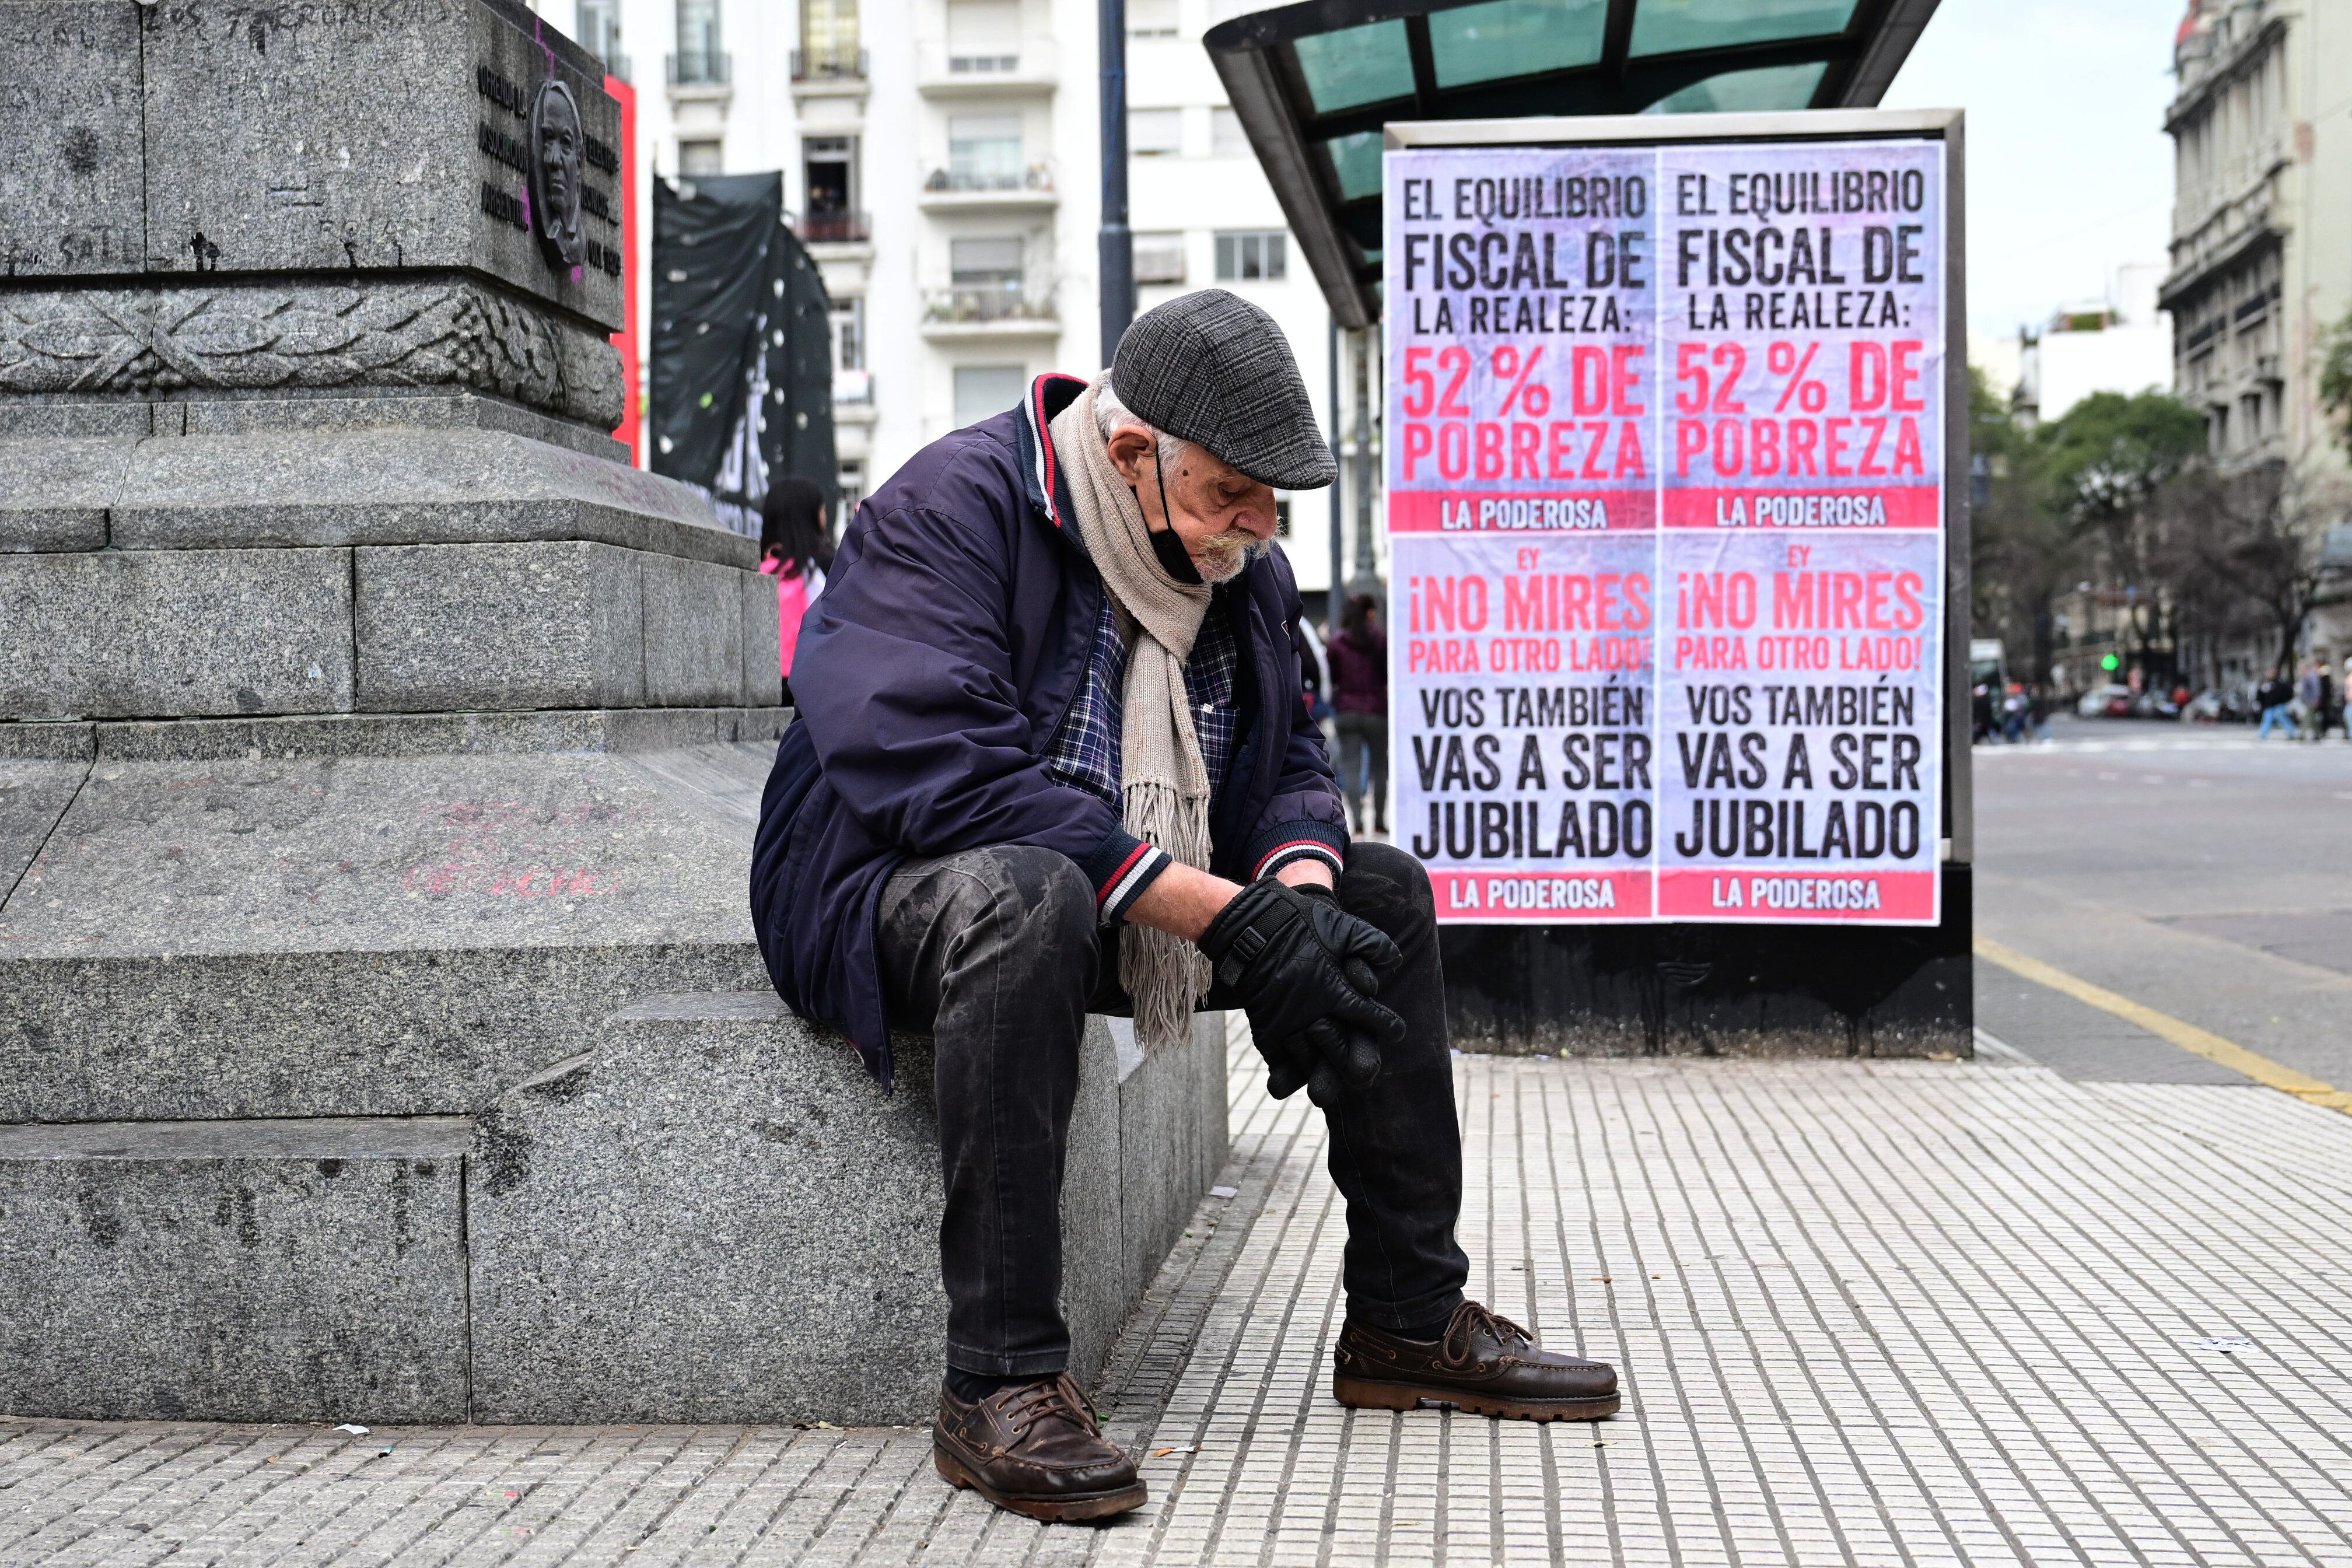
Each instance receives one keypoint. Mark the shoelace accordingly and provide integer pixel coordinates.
(1040, 1400)
(1469, 1317)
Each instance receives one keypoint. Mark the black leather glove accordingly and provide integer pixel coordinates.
(1307, 973)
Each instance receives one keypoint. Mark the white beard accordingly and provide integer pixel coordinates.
(1227, 556)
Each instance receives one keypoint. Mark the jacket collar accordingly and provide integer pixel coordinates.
(1041, 469)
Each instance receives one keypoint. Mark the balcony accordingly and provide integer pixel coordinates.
(989, 310)
(852, 397)
(829, 73)
(819, 65)
(1021, 68)
(709, 73)
(834, 228)
(952, 189)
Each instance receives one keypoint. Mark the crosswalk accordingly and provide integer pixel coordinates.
(2191, 740)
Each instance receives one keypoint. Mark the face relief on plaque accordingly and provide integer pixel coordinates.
(555, 151)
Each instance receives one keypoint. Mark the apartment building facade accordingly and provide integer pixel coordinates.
(2261, 225)
(2262, 251)
(940, 160)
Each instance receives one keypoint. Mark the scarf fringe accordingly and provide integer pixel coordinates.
(1164, 975)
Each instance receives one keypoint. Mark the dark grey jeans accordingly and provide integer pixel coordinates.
(996, 953)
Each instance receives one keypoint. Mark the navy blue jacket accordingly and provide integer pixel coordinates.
(931, 674)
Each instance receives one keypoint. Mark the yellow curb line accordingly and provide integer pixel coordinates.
(2188, 1036)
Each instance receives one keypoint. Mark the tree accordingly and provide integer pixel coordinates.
(2020, 555)
(2069, 500)
(2335, 380)
(2244, 545)
(2102, 465)
(2106, 456)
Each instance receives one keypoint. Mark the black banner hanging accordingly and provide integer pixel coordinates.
(741, 349)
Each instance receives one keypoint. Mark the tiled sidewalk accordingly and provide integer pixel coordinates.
(1872, 1313)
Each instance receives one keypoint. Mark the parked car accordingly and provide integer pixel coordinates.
(2216, 706)
(2105, 702)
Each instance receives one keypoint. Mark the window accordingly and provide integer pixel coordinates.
(849, 334)
(976, 262)
(700, 55)
(853, 490)
(1151, 18)
(829, 170)
(1155, 133)
(984, 391)
(829, 39)
(1225, 134)
(599, 30)
(987, 277)
(695, 158)
(985, 151)
(1248, 257)
(1159, 258)
(983, 38)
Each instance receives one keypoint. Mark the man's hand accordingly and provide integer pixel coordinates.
(1307, 972)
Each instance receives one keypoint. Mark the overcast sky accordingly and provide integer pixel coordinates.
(2069, 171)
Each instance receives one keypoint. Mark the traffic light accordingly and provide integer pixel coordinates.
(2109, 663)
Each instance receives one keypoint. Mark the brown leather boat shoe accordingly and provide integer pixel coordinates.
(1035, 1448)
(1483, 1364)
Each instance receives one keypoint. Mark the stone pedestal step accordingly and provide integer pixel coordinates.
(709, 1214)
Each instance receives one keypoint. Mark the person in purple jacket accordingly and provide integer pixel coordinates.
(1051, 759)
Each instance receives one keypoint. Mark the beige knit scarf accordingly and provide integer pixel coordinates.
(1162, 782)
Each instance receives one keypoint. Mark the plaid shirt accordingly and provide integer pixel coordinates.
(1085, 750)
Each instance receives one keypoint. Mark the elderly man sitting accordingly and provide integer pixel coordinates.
(1051, 759)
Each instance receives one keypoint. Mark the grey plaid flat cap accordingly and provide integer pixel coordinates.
(1213, 369)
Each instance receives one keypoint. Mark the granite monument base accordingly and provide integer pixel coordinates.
(422, 1068)
(712, 1214)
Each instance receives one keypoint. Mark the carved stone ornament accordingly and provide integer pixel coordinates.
(143, 342)
(555, 156)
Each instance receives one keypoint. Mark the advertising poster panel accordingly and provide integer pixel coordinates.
(1665, 509)
(1523, 522)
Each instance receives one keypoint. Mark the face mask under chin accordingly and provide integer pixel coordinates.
(1169, 549)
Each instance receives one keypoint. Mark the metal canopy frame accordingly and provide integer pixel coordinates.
(1255, 54)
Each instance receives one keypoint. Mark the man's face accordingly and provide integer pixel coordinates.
(1225, 517)
(559, 145)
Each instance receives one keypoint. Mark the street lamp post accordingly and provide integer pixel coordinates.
(1338, 595)
(1366, 578)
(1117, 244)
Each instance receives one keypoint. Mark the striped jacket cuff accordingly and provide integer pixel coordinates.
(1120, 867)
(1291, 841)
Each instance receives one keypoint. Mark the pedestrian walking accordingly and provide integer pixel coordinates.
(796, 549)
(2273, 697)
(2319, 697)
(1315, 676)
(2013, 715)
(1359, 681)
(2310, 701)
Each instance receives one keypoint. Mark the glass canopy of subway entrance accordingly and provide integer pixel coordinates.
(1314, 84)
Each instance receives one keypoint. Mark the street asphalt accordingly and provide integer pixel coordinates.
(2187, 867)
